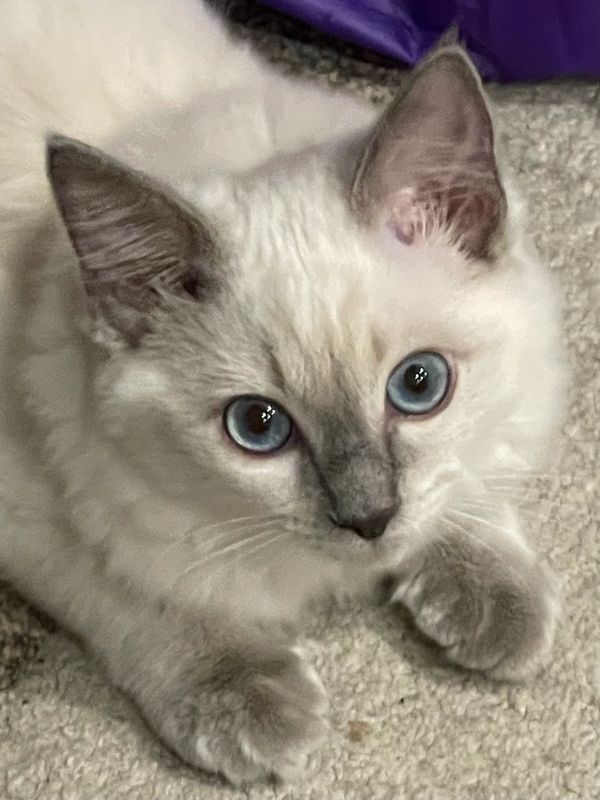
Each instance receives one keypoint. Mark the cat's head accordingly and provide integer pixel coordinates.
(342, 354)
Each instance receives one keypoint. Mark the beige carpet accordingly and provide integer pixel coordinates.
(404, 727)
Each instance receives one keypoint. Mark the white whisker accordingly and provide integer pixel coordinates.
(230, 548)
(225, 529)
(476, 518)
(468, 533)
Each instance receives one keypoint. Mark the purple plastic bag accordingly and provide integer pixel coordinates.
(508, 39)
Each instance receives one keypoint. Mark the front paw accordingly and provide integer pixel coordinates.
(490, 608)
(254, 718)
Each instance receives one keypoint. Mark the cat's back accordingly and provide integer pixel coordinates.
(87, 68)
(90, 68)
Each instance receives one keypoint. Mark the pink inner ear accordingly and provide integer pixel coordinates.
(404, 217)
(431, 164)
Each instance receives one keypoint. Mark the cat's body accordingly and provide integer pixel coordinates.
(125, 511)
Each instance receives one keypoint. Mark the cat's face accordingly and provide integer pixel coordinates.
(349, 361)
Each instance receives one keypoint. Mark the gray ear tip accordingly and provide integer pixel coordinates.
(63, 151)
(453, 56)
(450, 37)
(55, 144)
(58, 142)
(55, 141)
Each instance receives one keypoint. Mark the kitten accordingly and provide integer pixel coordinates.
(261, 348)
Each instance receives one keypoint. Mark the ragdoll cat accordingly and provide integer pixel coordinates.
(260, 348)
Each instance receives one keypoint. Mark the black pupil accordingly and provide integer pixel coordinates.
(258, 418)
(416, 378)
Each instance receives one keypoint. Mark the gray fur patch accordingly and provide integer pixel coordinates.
(355, 470)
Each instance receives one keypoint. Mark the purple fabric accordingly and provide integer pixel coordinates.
(508, 39)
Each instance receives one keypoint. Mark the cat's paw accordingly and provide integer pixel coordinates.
(255, 719)
(489, 609)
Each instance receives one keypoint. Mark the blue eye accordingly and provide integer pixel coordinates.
(257, 424)
(419, 383)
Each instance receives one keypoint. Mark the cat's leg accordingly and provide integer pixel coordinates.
(233, 701)
(481, 593)
(225, 696)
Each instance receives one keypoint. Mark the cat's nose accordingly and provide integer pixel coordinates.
(371, 527)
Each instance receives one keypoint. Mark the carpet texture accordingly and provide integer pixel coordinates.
(404, 726)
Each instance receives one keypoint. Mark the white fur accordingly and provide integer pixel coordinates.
(89, 501)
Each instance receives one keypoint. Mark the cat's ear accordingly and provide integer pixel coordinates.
(431, 160)
(136, 244)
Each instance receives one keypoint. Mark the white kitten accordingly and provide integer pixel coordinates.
(301, 350)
